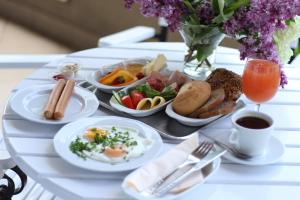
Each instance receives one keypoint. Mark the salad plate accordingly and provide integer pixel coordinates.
(30, 102)
(94, 77)
(150, 95)
(73, 143)
(187, 120)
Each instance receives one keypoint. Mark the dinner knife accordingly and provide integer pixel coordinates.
(173, 181)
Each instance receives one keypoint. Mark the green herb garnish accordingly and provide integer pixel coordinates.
(168, 92)
(78, 147)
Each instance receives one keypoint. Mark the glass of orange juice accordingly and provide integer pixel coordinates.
(260, 80)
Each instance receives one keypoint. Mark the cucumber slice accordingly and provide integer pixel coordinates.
(117, 97)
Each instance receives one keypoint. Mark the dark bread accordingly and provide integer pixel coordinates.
(223, 109)
(216, 98)
(228, 80)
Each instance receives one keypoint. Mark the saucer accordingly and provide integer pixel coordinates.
(273, 153)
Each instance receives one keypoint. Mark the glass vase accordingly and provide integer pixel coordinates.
(201, 40)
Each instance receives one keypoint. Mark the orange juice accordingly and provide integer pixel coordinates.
(260, 80)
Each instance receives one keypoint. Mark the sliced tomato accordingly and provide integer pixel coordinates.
(127, 101)
(136, 97)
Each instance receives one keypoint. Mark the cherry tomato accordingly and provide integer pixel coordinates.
(136, 97)
(127, 101)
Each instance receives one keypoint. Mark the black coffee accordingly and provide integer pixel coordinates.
(253, 122)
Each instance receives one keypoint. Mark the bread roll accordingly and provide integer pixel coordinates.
(191, 96)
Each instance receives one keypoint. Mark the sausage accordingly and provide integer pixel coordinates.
(53, 99)
(63, 100)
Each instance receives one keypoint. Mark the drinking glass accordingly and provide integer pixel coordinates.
(260, 80)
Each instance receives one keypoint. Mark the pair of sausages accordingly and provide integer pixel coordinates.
(58, 99)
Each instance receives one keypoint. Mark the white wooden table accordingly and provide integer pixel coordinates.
(31, 146)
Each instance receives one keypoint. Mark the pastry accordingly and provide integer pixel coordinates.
(191, 96)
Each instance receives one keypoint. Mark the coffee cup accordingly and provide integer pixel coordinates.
(251, 131)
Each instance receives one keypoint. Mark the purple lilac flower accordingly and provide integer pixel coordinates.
(205, 12)
(171, 10)
(253, 25)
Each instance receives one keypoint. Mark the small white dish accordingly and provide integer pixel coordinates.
(187, 120)
(133, 112)
(93, 77)
(169, 196)
(69, 132)
(30, 102)
(272, 154)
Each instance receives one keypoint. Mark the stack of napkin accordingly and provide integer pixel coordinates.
(148, 175)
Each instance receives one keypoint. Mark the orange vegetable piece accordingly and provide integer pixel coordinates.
(111, 78)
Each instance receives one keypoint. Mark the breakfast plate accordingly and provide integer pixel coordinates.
(273, 153)
(207, 171)
(133, 112)
(30, 102)
(93, 77)
(187, 120)
(140, 144)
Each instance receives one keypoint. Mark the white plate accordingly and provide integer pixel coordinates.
(30, 102)
(136, 195)
(70, 131)
(136, 113)
(187, 120)
(93, 77)
(273, 153)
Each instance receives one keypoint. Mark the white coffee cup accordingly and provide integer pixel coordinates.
(250, 141)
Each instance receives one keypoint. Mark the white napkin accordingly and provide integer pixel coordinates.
(151, 173)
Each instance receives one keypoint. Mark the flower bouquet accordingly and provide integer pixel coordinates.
(264, 28)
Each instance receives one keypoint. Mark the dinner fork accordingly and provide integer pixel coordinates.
(199, 153)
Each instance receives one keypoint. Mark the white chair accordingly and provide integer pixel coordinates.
(135, 34)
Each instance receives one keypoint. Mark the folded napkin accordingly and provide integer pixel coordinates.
(146, 176)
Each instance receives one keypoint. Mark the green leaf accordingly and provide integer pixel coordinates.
(221, 4)
(168, 93)
(236, 5)
(215, 5)
(147, 90)
(200, 54)
(219, 19)
(192, 18)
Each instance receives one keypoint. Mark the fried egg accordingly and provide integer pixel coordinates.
(130, 144)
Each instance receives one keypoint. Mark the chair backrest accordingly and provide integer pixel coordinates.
(132, 35)
(136, 34)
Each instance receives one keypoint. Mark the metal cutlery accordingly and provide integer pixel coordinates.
(195, 157)
(167, 187)
(230, 149)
